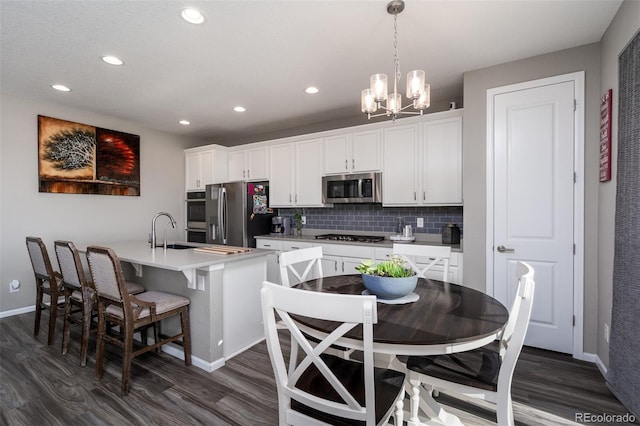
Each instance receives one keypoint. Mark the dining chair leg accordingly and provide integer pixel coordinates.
(102, 327)
(504, 409)
(39, 297)
(53, 314)
(126, 359)
(66, 328)
(86, 330)
(186, 335)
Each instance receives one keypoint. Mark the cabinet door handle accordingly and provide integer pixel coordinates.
(415, 196)
(243, 174)
(295, 248)
(346, 164)
(289, 197)
(353, 163)
(424, 195)
(296, 198)
(248, 174)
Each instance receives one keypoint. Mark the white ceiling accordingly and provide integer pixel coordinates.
(262, 54)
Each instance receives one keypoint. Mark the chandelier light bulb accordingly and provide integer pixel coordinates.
(424, 101)
(415, 84)
(394, 103)
(368, 104)
(379, 87)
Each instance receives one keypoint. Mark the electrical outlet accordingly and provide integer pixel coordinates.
(606, 332)
(14, 286)
(420, 223)
(304, 220)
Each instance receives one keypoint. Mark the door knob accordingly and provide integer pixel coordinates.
(503, 249)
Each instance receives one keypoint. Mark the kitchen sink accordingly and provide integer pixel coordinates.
(178, 246)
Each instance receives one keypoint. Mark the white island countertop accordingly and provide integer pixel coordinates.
(139, 252)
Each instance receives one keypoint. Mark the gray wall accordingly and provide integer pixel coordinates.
(621, 30)
(476, 83)
(77, 217)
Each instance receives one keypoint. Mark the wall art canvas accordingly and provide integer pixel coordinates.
(77, 158)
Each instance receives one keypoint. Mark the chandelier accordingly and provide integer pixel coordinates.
(417, 90)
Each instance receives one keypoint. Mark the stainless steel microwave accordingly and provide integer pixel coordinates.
(352, 188)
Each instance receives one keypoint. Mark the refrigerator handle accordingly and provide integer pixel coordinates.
(223, 215)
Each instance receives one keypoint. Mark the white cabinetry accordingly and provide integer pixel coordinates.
(423, 163)
(400, 172)
(455, 265)
(248, 164)
(338, 259)
(204, 166)
(442, 162)
(353, 152)
(295, 171)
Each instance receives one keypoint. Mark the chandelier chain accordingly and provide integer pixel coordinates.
(395, 48)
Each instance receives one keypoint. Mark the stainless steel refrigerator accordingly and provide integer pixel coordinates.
(236, 212)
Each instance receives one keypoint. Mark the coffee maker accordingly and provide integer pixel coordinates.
(280, 225)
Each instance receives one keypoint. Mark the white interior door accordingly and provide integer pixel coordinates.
(533, 205)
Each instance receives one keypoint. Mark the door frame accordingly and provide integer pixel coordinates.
(578, 194)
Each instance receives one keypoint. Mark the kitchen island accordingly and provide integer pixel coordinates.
(224, 290)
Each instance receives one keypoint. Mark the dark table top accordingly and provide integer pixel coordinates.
(447, 317)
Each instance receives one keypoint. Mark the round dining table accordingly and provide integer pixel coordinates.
(445, 318)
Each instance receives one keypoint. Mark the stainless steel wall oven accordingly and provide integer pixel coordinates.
(196, 217)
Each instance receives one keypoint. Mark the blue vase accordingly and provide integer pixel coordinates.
(389, 287)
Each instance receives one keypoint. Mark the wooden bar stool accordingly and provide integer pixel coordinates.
(48, 282)
(131, 313)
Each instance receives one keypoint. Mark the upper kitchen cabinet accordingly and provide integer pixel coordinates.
(353, 152)
(442, 162)
(296, 174)
(249, 164)
(400, 175)
(423, 162)
(204, 166)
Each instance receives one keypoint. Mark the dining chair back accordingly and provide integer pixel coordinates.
(485, 373)
(430, 256)
(78, 293)
(48, 281)
(325, 389)
(131, 313)
(307, 260)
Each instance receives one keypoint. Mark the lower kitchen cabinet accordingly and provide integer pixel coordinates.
(455, 265)
(342, 259)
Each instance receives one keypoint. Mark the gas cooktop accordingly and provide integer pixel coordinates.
(353, 238)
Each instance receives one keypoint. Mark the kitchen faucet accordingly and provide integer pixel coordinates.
(153, 228)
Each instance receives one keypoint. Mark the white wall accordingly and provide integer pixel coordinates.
(621, 30)
(84, 219)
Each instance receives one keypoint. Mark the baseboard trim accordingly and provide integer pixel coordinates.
(603, 368)
(178, 352)
(12, 312)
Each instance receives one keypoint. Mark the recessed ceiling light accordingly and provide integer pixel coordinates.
(311, 90)
(61, 88)
(112, 60)
(192, 16)
(239, 109)
(184, 122)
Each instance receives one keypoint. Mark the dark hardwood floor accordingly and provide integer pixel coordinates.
(40, 386)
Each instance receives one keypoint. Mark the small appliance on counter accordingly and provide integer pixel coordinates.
(280, 225)
(450, 234)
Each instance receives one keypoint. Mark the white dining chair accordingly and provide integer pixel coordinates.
(307, 260)
(433, 255)
(325, 389)
(484, 373)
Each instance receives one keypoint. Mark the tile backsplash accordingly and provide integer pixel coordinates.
(375, 218)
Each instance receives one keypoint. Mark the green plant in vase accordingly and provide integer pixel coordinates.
(389, 279)
(394, 267)
(298, 219)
